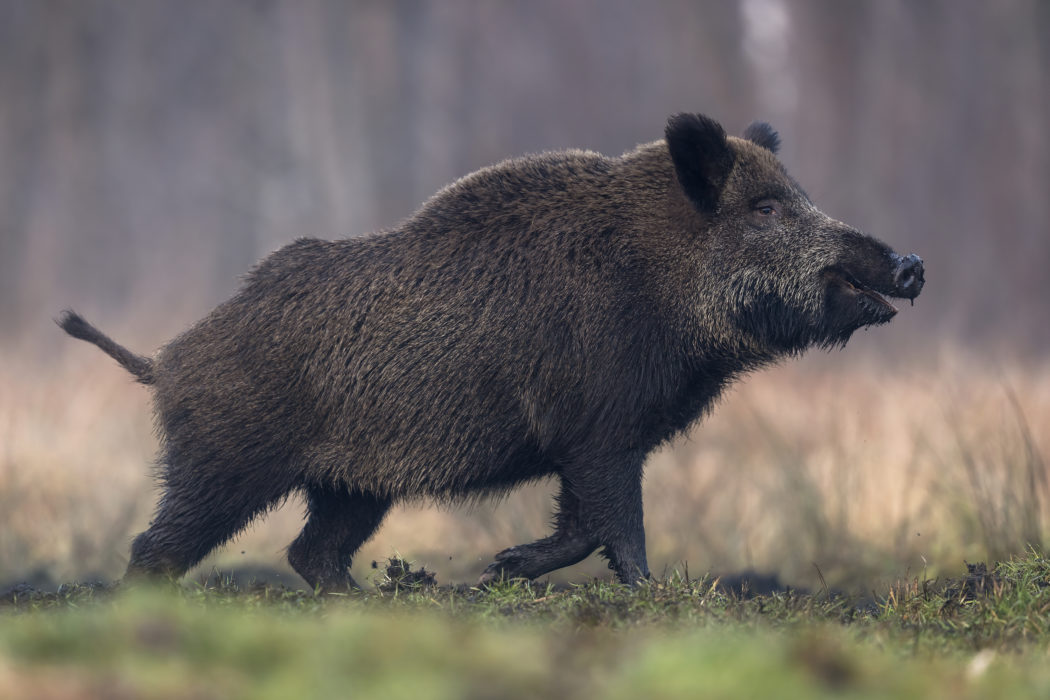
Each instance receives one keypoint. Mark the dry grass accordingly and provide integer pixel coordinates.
(859, 467)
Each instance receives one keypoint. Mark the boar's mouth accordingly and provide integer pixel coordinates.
(871, 307)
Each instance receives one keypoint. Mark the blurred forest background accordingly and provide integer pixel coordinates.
(151, 152)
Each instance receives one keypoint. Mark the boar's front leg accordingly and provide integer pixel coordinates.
(570, 543)
(610, 494)
(596, 507)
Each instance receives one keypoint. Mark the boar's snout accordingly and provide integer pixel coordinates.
(908, 277)
(858, 287)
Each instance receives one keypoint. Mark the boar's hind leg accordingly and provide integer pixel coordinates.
(339, 522)
(201, 508)
(569, 544)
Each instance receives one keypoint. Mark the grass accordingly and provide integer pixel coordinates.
(983, 634)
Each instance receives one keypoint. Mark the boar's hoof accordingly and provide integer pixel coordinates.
(509, 564)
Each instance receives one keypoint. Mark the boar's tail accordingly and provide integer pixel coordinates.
(74, 324)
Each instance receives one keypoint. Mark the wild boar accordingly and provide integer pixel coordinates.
(554, 315)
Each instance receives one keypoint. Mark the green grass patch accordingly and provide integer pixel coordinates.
(980, 635)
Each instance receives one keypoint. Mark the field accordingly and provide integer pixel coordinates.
(977, 636)
(857, 489)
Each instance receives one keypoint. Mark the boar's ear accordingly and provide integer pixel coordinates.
(702, 157)
(762, 134)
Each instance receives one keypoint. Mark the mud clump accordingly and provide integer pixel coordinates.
(977, 584)
(399, 576)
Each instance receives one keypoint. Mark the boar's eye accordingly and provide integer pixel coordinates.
(767, 208)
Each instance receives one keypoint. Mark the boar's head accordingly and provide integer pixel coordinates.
(789, 275)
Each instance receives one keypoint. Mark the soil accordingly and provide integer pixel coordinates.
(399, 576)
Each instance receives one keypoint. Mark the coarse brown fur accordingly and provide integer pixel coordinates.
(560, 314)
